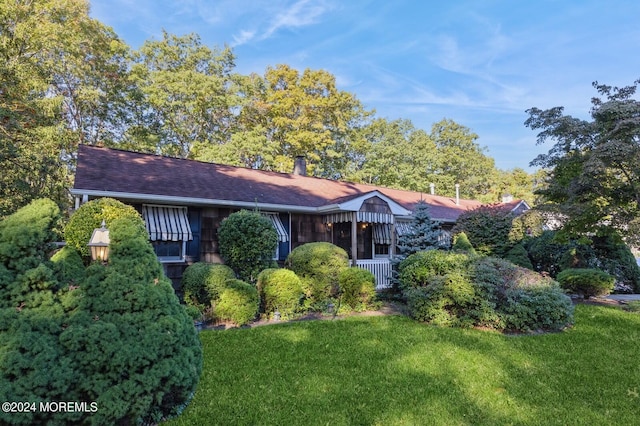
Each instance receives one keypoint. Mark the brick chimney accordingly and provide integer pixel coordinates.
(300, 166)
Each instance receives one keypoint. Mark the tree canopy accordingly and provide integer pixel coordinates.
(594, 165)
(67, 79)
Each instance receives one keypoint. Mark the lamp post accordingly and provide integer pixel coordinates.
(99, 244)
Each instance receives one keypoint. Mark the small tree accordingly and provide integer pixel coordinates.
(248, 242)
(425, 233)
(488, 229)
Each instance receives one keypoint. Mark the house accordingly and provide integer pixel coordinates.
(184, 201)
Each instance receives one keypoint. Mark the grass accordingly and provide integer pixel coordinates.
(394, 371)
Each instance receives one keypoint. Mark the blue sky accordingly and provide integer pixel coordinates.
(479, 63)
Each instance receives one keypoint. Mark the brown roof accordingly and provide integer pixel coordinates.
(125, 174)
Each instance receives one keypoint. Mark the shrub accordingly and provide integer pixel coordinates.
(445, 300)
(247, 242)
(518, 256)
(358, 288)
(216, 280)
(68, 266)
(281, 290)
(131, 345)
(238, 302)
(588, 282)
(545, 252)
(461, 243)
(192, 285)
(318, 265)
(417, 269)
(487, 228)
(524, 299)
(90, 215)
(202, 282)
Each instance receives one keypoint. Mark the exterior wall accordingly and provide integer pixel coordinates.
(308, 229)
(211, 219)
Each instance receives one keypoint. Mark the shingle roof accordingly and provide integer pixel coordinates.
(104, 170)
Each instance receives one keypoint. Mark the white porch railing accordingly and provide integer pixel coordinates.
(380, 268)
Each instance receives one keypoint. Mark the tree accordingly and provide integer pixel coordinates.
(248, 242)
(594, 180)
(462, 161)
(58, 82)
(425, 233)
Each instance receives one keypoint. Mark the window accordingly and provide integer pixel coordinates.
(169, 230)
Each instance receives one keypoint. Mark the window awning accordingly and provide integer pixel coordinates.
(167, 223)
(370, 217)
(277, 223)
(381, 233)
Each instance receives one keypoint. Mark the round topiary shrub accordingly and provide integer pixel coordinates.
(216, 280)
(588, 282)
(318, 265)
(193, 284)
(247, 242)
(90, 215)
(238, 302)
(280, 290)
(357, 287)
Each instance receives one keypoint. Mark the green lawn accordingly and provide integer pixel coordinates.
(394, 371)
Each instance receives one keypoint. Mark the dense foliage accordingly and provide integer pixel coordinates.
(588, 282)
(89, 216)
(318, 265)
(280, 290)
(247, 242)
(238, 302)
(118, 337)
(463, 290)
(593, 164)
(202, 283)
(487, 229)
(357, 288)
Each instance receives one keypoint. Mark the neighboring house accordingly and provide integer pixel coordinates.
(183, 203)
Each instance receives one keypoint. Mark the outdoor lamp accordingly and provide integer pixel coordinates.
(99, 243)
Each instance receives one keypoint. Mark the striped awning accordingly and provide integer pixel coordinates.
(277, 224)
(404, 228)
(369, 217)
(381, 233)
(167, 223)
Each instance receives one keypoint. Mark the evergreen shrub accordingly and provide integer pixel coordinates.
(461, 243)
(518, 256)
(238, 303)
(318, 265)
(417, 269)
(202, 283)
(133, 348)
(247, 242)
(68, 266)
(588, 282)
(357, 287)
(90, 215)
(281, 290)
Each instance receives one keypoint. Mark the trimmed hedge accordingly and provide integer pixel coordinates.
(68, 266)
(247, 242)
(90, 215)
(202, 284)
(318, 265)
(586, 281)
(417, 269)
(358, 288)
(281, 290)
(238, 302)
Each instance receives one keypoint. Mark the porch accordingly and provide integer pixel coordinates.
(380, 268)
